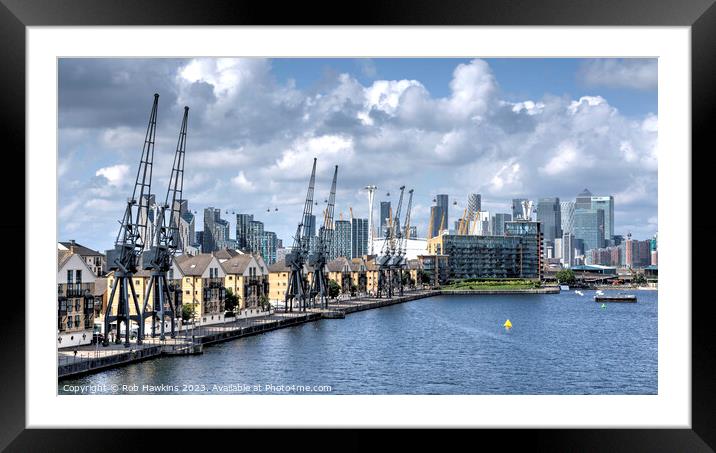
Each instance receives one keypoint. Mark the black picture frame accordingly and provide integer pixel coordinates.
(700, 15)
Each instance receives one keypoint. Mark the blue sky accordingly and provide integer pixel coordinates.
(519, 78)
(501, 127)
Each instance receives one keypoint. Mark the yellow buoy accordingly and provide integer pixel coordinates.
(508, 324)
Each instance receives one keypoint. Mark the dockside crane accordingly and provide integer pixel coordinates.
(400, 261)
(389, 251)
(298, 256)
(123, 258)
(319, 285)
(158, 258)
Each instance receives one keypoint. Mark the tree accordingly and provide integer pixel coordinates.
(333, 289)
(423, 277)
(566, 276)
(354, 290)
(231, 301)
(639, 279)
(264, 302)
(187, 312)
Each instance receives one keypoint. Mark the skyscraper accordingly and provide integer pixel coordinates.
(147, 217)
(589, 227)
(256, 237)
(517, 208)
(213, 230)
(606, 203)
(185, 225)
(310, 225)
(549, 215)
(359, 237)
(567, 215)
(242, 230)
(443, 203)
(568, 249)
(436, 217)
(341, 239)
(586, 201)
(385, 214)
(498, 223)
(583, 200)
(268, 247)
(474, 204)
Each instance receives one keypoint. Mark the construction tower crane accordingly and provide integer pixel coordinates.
(158, 258)
(474, 224)
(464, 223)
(319, 286)
(298, 256)
(123, 258)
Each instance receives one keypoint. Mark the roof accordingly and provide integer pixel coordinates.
(237, 264)
(62, 257)
(225, 253)
(100, 286)
(140, 273)
(279, 266)
(80, 249)
(195, 265)
(338, 264)
(585, 193)
(592, 267)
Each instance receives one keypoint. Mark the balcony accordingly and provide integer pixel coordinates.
(74, 289)
(216, 282)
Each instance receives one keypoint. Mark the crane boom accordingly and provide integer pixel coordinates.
(406, 236)
(123, 258)
(296, 259)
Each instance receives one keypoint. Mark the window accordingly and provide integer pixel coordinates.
(188, 280)
(69, 276)
(78, 275)
(188, 292)
(77, 320)
(69, 322)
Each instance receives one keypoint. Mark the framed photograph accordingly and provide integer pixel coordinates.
(452, 218)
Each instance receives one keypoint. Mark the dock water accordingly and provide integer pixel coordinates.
(93, 358)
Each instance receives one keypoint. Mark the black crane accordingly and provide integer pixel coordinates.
(389, 251)
(158, 258)
(128, 246)
(399, 261)
(318, 260)
(297, 257)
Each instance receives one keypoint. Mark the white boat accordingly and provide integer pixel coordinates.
(563, 287)
(600, 292)
(579, 293)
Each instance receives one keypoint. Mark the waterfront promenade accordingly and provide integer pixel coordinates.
(73, 362)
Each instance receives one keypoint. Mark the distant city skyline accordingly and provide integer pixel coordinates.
(502, 128)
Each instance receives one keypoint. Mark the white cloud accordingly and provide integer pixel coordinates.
(243, 183)
(115, 175)
(249, 133)
(635, 73)
(566, 158)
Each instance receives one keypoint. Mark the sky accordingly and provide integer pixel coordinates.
(504, 128)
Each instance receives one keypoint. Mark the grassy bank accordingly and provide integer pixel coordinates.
(491, 285)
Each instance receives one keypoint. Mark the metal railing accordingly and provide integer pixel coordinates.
(74, 289)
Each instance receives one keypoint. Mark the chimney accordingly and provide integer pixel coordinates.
(72, 246)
